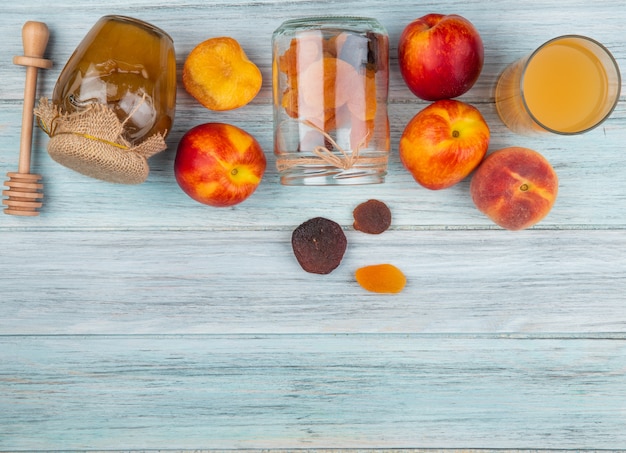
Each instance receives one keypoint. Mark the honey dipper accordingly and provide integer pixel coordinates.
(25, 189)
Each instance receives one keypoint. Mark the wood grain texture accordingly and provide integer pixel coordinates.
(116, 282)
(133, 318)
(356, 391)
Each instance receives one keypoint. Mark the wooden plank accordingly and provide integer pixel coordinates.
(591, 193)
(311, 391)
(589, 166)
(249, 281)
(509, 31)
(133, 318)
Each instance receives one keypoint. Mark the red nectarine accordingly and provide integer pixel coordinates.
(515, 187)
(440, 56)
(219, 164)
(443, 143)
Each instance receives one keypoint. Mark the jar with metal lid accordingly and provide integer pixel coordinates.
(330, 86)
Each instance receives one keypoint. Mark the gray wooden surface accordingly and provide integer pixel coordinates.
(133, 318)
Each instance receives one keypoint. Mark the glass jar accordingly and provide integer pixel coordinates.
(114, 101)
(129, 65)
(330, 86)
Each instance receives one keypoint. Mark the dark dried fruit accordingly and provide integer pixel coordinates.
(372, 217)
(319, 245)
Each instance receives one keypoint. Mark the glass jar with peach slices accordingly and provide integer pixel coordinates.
(330, 85)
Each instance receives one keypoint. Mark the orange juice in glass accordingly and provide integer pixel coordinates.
(569, 85)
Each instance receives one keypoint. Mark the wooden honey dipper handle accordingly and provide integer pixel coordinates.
(25, 191)
(34, 39)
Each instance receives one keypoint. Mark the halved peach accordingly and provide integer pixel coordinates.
(220, 76)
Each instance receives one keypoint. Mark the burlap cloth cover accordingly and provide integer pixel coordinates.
(91, 142)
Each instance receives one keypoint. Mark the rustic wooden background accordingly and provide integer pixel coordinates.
(133, 318)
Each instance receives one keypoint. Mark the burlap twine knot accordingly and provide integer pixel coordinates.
(341, 159)
(91, 142)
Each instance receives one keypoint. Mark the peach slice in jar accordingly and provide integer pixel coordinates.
(362, 103)
(325, 84)
(289, 102)
(303, 50)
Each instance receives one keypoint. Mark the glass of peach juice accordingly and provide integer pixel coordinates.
(569, 85)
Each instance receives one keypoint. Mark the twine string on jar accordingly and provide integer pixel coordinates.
(342, 159)
(50, 129)
(92, 142)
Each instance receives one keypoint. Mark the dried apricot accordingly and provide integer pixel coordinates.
(220, 76)
(381, 278)
(302, 51)
(331, 83)
(319, 245)
(361, 133)
(362, 103)
(289, 102)
(325, 84)
(372, 217)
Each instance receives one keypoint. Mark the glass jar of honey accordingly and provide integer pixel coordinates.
(116, 96)
(330, 86)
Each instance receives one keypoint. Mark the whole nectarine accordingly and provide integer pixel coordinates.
(515, 187)
(440, 56)
(443, 143)
(219, 164)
